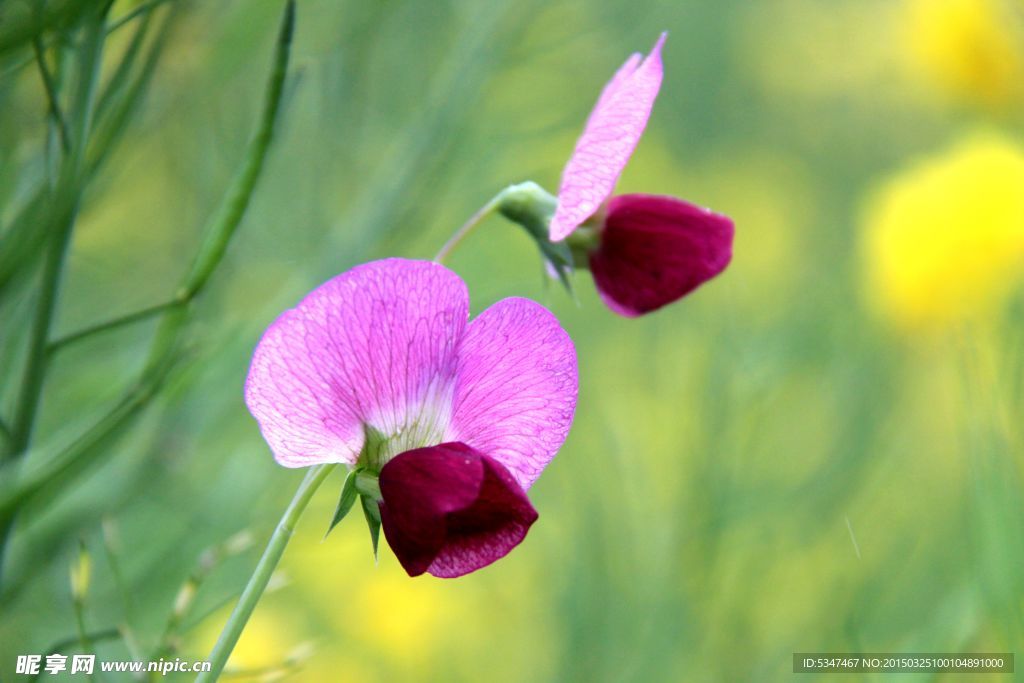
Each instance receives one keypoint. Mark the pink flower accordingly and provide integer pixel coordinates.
(380, 368)
(644, 251)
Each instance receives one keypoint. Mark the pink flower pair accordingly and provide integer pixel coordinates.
(380, 369)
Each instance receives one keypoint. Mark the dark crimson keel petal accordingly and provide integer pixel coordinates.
(450, 510)
(655, 250)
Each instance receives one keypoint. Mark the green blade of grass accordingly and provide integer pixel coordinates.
(66, 466)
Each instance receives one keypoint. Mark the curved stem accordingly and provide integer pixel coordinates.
(468, 227)
(58, 344)
(261, 575)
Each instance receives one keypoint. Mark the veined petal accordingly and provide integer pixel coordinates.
(615, 84)
(451, 510)
(375, 346)
(516, 388)
(655, 250)
(609, 138)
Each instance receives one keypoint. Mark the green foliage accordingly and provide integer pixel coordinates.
(760, 469)
(346, 500)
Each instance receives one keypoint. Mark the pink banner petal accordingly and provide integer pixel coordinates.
(375, 345)
(609, 138)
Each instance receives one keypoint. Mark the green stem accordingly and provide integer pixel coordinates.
(66, 209)
(264, 569)
(117, 104)
(468, 227)
(144, 8)
(231, 210)
(58, 344)
(125, 630)
(65, 463)
(86, 449)
(5, 432)
(118, 81)
(65, 200)
(83, 635)
(50, 86)
(114, 26)
(35, 366)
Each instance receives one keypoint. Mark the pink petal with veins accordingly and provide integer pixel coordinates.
(516, 390)
(608, 140)
(373, 346)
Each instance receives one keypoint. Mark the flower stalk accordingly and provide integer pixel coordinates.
(468, 227)
(531, 206)
(524, 203)
(264, 570)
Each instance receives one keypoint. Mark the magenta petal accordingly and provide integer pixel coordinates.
(451, 510)
(655, 250)
(608, 140)
(373, 346)
(516, 389)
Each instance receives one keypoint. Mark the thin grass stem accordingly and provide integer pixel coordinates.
(264, 569)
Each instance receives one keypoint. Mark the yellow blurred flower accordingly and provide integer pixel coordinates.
(971, 49)
(944, 239)
(400, 616)
(376, 610)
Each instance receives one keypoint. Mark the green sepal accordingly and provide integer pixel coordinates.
(372, 513)
(347, 499)
(529, 205)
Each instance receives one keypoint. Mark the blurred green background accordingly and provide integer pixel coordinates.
(818, 451)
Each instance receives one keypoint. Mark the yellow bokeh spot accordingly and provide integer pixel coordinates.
(944, 239)
(971, 49)
(400, 615)
(375, 609)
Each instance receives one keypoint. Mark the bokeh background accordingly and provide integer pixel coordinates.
(818, 451)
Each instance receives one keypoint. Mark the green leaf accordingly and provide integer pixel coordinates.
(346, 501)
(372, 514)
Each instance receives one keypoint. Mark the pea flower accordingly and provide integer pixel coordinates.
(643, 251)
(380, 369)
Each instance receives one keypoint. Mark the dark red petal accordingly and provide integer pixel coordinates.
(655, 250)
(451, 510)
